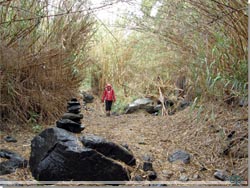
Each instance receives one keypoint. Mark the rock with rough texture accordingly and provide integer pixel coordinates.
(180, 155)
(57, 155)
(14, 161)
(69, 125)
(108, 148)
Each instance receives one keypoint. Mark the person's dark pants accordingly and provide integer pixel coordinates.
(108, 105)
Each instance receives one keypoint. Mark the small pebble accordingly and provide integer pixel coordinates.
(184, 178)
(220, 175)
(152, 175)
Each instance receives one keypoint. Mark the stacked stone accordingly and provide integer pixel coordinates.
(71, 120)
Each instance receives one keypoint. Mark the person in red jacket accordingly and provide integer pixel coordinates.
(109, 97)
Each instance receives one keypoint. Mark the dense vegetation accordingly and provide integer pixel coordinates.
(46, 53)
(42, 50)
(206, 41)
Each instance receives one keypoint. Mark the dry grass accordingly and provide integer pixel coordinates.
(42, 60)
(203, 138)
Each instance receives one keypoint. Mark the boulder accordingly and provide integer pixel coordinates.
(109, 149)
(131, 108)
(57, 155)
(87, 97)
(70, 125)
(138, 104)
(14, 161)
(143, 101)
(180, 155)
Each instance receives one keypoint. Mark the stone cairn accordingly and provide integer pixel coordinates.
(71, 120)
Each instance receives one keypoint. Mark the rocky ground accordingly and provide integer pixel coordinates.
(204, 135)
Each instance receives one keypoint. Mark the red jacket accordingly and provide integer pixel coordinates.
(108, 94)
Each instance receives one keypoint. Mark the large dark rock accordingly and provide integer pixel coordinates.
(179, 155)
(87, 97)
(70, 125)
(108, 149)
(14, 161)
(57, 155)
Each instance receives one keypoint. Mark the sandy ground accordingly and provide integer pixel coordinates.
(158, 137)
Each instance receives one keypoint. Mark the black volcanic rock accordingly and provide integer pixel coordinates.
(57, 155)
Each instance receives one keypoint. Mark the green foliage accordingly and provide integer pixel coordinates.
(147, 6)
(33, 122)
(119, 106)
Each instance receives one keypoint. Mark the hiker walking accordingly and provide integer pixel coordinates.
(109, 97)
